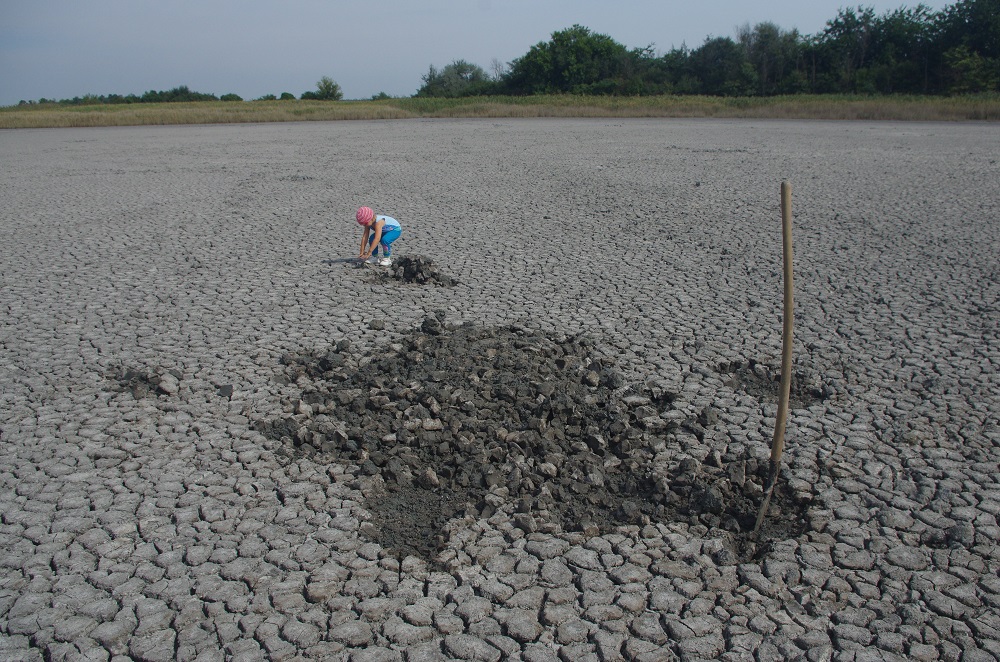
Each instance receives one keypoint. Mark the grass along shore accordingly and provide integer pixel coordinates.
(898, 108)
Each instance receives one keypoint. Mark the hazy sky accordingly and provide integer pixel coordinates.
(65, 48)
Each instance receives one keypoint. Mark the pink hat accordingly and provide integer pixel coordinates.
(365, 215)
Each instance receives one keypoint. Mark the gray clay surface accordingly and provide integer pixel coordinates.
(540, 434)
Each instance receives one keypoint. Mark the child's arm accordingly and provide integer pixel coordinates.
(378, 234)
(364, 242)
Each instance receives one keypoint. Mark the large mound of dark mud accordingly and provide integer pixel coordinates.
(465, 421)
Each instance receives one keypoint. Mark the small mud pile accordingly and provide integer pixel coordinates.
(764, 383)
(470, 421)
(417, 270)
(143, 383)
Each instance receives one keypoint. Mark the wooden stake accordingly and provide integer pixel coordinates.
(778, 441)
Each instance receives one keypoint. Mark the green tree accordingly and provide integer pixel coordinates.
(574, 60)
(458, 79)
(673, 72)
(720, 67)
(773, 54)
(969, 72)
(230, 97)
(287, 96)
(846, 47)
(900, 58)
(968, 46)
(328, 90)
(178, 94)
(643, 72)
(973, 23)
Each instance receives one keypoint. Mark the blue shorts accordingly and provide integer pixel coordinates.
(386, 240)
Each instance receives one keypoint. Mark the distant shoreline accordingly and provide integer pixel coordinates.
(830, 107)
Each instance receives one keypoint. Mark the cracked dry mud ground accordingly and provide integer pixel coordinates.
(155, 279)
(459, 420)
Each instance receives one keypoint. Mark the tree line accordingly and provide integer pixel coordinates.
(326, 90)
(905, 51)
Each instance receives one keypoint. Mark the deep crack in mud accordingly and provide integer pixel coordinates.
(468, 421)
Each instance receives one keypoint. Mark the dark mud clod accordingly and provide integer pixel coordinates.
(416, 270)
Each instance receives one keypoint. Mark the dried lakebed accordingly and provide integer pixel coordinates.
(221, 441)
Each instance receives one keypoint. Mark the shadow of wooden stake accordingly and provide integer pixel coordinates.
(778, 441)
